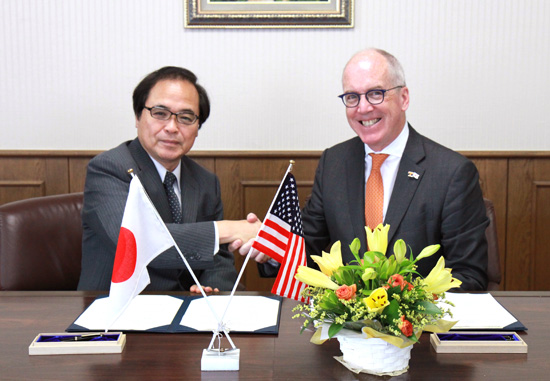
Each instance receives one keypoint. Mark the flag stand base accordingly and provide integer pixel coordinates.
(220, 360)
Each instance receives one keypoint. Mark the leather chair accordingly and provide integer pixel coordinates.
(41, 243)
(493, 268)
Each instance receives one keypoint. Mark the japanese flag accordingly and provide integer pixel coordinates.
(143, 236)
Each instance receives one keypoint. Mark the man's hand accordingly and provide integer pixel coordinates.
(254, 254)
(237, 232)
(196, 289)
(245, 248)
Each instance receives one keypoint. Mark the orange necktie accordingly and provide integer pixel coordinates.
(374, 192)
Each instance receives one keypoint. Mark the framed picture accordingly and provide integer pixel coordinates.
(269, 13)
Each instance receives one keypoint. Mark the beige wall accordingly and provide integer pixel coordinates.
(478, 72)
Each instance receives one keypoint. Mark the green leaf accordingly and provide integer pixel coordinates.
(384, 271)
(334, 329)
(344, 275)
(430, 308)
(354, 267)
(367, 292)
(392, 311)
(369, 257)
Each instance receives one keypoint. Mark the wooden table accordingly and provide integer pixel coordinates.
(287, 356)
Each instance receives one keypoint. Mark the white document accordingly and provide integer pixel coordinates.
(245, 314)
(478, 311)
(143, 313)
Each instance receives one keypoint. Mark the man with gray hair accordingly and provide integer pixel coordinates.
(389, 173)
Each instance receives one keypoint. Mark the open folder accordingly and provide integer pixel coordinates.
(171, 314)
(481, 312)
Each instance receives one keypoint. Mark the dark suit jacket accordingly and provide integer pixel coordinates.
(443, 206)
(105, 193)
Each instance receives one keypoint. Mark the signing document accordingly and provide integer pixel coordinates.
(161, 313)
(478, 311)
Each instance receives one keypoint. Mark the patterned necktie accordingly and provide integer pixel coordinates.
(374, 192)
(173, 200)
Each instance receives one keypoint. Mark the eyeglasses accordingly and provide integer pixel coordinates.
(184, 117)
(374, 97)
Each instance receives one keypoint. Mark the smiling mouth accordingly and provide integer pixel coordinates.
(368, 123)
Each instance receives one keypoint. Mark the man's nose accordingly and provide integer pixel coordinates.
(364, 105)
(171, 124)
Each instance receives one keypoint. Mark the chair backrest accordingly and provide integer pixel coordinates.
(41, 243)
(493, 268)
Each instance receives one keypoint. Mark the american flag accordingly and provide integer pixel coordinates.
(282, 238)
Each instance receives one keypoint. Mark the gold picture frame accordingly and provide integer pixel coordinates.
(269, 13)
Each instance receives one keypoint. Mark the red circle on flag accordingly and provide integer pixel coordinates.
(125, 258)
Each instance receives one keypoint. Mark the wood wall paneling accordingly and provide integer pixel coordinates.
(528, 208)
(493, 178)
(13, 190)
(518, 183)
(540, 223)
(26, 177)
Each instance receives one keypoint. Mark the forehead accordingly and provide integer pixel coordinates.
(174, 93)
(365, 71)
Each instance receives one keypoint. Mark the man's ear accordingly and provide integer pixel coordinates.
(404, 98)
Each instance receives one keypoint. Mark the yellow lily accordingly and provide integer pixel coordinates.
(399, 249)
(440, 279)
(314, 278)
(377, 239)
(329, 263)
(428, 251)
(377, 300)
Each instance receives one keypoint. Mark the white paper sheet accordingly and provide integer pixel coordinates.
(143, 313)
(478, 311)
(245, 314)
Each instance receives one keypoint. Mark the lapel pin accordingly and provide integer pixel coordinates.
(414, 175)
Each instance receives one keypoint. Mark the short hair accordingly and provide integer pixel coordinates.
(395, 70)
(142, 90)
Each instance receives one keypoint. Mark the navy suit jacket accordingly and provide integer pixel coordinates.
(443, 206)
(105, 194)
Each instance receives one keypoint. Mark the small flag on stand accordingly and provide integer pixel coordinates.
(143, 236)
(282, 238)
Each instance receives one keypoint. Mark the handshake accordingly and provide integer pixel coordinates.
(240, 235)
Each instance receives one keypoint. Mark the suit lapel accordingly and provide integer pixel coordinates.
(189, 193)
(405, 185)
(355, 184)
(150, 179)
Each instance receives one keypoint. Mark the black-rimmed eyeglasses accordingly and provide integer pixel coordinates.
(183, 117)
(374, 97)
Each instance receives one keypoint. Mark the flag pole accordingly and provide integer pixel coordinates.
(221, 327)
(289, 169)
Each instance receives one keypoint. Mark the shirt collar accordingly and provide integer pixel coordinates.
(395, 148)
(162, 171)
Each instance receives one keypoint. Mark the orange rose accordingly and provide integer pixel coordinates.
(346, 292)
(406, 327)
(397, 280)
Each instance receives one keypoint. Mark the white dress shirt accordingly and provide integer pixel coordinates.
(177, 172)
(390, 165)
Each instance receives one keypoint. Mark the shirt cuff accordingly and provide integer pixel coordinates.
(217, 238)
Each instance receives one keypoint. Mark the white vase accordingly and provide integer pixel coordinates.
(374, 356)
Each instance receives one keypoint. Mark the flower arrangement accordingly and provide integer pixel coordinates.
(381, 296)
